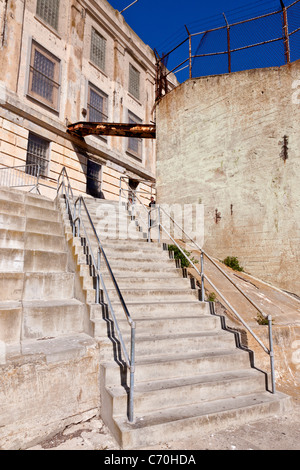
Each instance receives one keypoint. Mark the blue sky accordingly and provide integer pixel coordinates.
(160, 23)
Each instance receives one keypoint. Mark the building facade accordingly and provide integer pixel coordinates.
(68, 61)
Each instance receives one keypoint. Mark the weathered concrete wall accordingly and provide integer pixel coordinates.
(232, 143)
(41, 394)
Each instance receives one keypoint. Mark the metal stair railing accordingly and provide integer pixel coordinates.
(268, 350)
(20, 176)
(161, 229)
(74, 210)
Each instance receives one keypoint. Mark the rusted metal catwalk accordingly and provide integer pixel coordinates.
(141, 131)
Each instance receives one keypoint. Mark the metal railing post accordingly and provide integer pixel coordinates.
(158, 225)
(271, 354)
(228, 44)
(78, 219)
(98, 278)
(202, 277)
(132, 371)
(149, 226)
(286, 40)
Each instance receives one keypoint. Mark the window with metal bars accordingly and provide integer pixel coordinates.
(134, 81)
(134, 143)
(97, 105)
(48, 10)
(37, 154)
(44, 76)
(98, 48)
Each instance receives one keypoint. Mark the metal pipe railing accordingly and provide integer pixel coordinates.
(21, 176)
(74, 209)
(203, 277)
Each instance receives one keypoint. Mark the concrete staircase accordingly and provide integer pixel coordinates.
(35, 277)
(191, 375)
(44, 323)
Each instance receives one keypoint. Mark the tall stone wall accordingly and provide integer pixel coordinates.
(232, 143)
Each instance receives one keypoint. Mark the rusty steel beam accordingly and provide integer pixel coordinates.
(141, 131)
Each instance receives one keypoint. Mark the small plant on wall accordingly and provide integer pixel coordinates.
(233, 263)
(178, 255)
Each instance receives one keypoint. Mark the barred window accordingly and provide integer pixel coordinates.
(98, 47)
(134, 81)
(134, 143)
(44, 76)
(37, 154)
(48, 10)
(97, 105)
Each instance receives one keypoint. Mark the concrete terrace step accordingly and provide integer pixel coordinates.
(173, 423)
(63, 348)
(162, 394)
(35, 285)
(52, 318)
(28, 210)
(13, 195)
(29, 240)
(19, 260)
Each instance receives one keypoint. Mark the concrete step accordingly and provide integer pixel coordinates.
(18, 260)
(178, 325)
(173, 423)
(52, 318)
(159, 295)
(185, 365)
(134, 254)
(121, 271)
(154, 343)
(161, 394)
(115, 233)
(168, 326)
(143, 282)
(157, 310)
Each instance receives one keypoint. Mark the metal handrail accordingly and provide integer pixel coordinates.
(77, 223)
(203, 276)
(27, 172)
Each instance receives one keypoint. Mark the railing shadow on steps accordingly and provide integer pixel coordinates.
(75, 207)
(154, 223)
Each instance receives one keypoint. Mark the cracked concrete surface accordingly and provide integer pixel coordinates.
(276, 433)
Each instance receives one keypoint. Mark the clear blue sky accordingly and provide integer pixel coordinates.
(160, 23)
